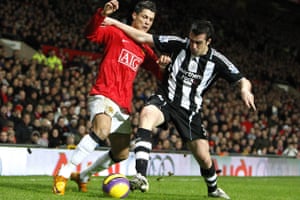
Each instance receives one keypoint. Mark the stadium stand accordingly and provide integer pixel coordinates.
(261, 36)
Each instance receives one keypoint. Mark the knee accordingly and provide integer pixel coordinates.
(146, 112)
(205, 161)
(102, 133)
(150, 117)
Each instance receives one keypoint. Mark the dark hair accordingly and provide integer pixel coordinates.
(145, 4)
(203, 26)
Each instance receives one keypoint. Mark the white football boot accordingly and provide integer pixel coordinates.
(219, 193)
(139, 182)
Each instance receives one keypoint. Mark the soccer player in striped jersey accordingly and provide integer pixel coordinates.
(111, 94)
(194, 68)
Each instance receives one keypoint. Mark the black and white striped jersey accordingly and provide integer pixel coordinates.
(188, 77)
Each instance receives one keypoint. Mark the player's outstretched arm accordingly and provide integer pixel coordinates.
(96, 21)
(137, 35)
(246, 93)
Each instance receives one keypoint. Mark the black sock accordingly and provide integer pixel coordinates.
(142, 150)
(141, 166)
(96, 138)
(210, 178)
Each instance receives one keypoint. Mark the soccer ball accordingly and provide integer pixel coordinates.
(116, 186)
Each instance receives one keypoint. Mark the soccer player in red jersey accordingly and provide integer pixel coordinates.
(111, 94)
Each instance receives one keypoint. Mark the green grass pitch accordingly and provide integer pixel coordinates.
(166, 188)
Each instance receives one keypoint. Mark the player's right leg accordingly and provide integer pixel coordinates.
(200, 150)
(150, 117)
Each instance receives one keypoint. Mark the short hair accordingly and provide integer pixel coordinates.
(145, 4)
(203, 26)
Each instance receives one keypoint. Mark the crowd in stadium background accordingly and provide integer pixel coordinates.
(43, 106)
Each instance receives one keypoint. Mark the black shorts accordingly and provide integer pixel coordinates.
(187, 123)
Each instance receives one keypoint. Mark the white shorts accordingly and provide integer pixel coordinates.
(120, 122)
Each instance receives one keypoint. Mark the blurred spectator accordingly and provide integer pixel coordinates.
(166, 145)
(62, 128)
(291, 150)
(24, 130)
(73, 125)
(11, 136)
(4, 94)
(279, 147)
(43, 139)
(179, 145)
(20, 99)
(54, 139)
(3, 116)
(40, 57)
(70, 141)
(3, 136)
(35, 136)
(62, 114)
(54, 62)
(46, 124)
(271, 150)
(82, 131)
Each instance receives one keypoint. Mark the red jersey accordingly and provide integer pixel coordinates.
(122, 58)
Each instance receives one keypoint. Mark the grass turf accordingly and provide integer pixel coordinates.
(166, 188)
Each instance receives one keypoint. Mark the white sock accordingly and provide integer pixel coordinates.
(85, 147)
(103, 162)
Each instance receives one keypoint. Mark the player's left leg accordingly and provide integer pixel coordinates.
(200, 150)
(100, 130)
(119, 142)
(103, 112)
(82, 178)
(119, 151)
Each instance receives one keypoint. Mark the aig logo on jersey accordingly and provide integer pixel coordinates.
(130, 59)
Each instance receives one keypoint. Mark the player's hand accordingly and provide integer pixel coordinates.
(248, 98)
(110, 7)
(163, 61)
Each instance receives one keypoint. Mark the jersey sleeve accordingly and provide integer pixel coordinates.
(94, 31)
(228, 70)
(169, 44)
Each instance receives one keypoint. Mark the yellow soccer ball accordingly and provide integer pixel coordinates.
(116, 186)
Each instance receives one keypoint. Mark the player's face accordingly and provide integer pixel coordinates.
(143, 20)
(198, 44)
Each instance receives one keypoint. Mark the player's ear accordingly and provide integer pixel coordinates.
(208, 41)
(133, 15)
